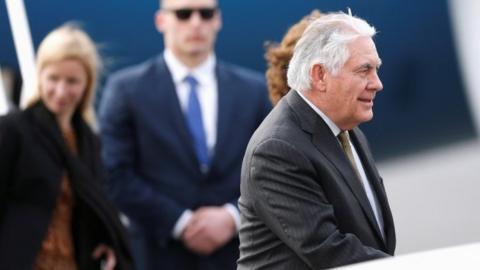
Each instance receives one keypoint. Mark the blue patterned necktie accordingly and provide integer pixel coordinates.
(195, 124)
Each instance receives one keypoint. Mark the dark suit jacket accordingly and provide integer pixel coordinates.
(153, 171)
(33, 157)
(302, 205)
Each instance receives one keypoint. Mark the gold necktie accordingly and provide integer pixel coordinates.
(343, 137)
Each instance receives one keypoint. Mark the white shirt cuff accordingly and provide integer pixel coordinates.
(181, 224)
(235, 214)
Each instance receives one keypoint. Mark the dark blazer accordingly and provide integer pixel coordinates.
(302, 205)
(33, 156)
(154, 174)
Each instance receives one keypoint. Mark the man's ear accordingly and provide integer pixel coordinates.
(318, 75)
(159, 19)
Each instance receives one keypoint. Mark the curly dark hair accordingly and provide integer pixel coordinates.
(278, 56)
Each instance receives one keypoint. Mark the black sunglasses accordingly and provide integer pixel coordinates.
(184, 14)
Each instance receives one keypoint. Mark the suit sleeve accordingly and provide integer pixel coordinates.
(152, 210)
(289, 199)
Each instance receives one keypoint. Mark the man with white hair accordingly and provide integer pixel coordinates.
(311, 196)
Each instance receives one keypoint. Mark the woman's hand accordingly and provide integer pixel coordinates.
(104, 250)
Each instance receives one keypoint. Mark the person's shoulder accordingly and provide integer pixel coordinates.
(13, 121)
(241, 73)
(137, 72)
(12, 117)
(278, 133)
(132, 79)
(281, 123)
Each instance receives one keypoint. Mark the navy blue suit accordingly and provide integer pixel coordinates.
(154, 175)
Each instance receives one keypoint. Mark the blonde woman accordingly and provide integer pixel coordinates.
(53, 213)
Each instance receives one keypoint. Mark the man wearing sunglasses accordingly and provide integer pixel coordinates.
(174, 132)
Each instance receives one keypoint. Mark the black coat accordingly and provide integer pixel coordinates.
(33, 156)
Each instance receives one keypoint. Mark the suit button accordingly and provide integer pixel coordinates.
(203, 168)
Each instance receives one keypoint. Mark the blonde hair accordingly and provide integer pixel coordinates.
(70, 42)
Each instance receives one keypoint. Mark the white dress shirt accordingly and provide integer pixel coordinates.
(207, 91)
(363, 176)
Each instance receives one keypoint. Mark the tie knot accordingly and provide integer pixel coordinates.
(343, 137)
(345, 142)
(191, 80)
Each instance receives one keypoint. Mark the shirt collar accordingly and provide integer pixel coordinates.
(335, 130)
(179, 71)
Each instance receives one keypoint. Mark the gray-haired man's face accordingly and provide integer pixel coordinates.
(349, 95)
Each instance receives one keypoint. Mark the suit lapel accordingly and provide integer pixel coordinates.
(47, 132)
(375, 181)
(166, 96)
(226, 101)
(50, 136)
(328, 145)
